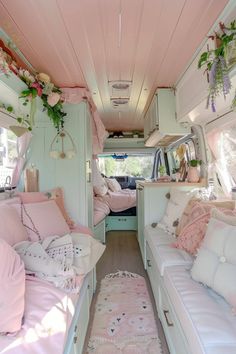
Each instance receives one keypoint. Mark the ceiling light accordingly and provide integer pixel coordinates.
(118, 101)
(121, 86)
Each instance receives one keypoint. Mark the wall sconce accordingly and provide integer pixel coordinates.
(64, 139)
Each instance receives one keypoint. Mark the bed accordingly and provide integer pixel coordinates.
(54, 319)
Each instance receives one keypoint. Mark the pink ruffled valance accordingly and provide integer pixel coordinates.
(78, 94)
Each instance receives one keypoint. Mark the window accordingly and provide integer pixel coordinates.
(8, 154)
(134, 165)
(174, 159)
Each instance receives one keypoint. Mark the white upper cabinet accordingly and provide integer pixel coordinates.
(160, 125)
(193, 88)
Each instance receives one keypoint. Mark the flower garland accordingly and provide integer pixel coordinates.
(38, 85)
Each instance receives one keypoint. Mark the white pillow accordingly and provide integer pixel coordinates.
(100, 187)
(174, 210)
(97, 178)
(215, 265)
(113, 184)
(100, 190)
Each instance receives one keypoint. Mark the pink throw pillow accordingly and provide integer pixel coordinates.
(193, 233)
(42, 220)
(11, 229)
(12, 289)
(54, 194)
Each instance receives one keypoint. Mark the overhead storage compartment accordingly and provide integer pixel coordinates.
(192, 89)
(160, 126)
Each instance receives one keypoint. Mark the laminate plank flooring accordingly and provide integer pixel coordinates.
(123, 253)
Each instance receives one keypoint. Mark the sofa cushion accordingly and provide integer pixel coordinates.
(165, 256)
(206, 319)
(175, 207)
(197, 207)
(217, 255)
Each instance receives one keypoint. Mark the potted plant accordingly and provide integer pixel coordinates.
(162, 170)
(193, 171)
(218, 63)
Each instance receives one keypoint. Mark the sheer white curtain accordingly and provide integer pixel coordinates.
(22, 147)
(223, 147)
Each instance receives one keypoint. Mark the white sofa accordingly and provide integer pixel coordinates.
(195, 319)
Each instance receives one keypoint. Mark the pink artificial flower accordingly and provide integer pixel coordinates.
(37, 86)
(53, 98)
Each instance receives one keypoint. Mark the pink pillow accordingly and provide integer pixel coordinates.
(193, 233)
(42, 220)
(54, 194)
(12, 289)
(11, 229)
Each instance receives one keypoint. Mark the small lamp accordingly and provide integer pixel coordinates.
(62, 137)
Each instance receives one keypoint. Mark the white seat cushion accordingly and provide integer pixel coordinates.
(155, 236)
(206, 318)
(165, 255)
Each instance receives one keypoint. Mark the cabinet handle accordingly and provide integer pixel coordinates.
(75, 339)
(139, 188)
(169, 324)
(149, 263)
(75, 329)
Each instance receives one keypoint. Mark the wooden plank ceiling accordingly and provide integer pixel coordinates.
(92, 42)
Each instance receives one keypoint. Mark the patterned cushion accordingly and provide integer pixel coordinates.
(193, 233)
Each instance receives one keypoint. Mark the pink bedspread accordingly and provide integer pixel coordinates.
(122, 200)
(48, 314)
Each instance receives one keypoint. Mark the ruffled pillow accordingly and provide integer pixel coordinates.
(193, 233)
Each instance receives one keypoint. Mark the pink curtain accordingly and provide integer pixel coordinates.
(22, 146)
(77, 95)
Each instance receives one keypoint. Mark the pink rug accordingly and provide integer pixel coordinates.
(124, 320)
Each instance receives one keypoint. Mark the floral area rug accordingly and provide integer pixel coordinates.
(124, 321)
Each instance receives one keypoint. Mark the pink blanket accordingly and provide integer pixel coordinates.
(48, 314)
(122, 200)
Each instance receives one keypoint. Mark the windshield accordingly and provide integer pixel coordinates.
(134, 165)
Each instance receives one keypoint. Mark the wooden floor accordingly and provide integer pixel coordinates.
(122, 253)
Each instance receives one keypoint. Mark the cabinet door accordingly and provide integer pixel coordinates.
(193, 87)
(82, 324)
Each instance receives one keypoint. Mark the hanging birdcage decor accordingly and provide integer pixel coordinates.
(62, 146)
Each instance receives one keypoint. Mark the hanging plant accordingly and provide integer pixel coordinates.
(41, 86)
(218, 63)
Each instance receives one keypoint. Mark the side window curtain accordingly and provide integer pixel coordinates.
(222, 143)
(156, 164)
